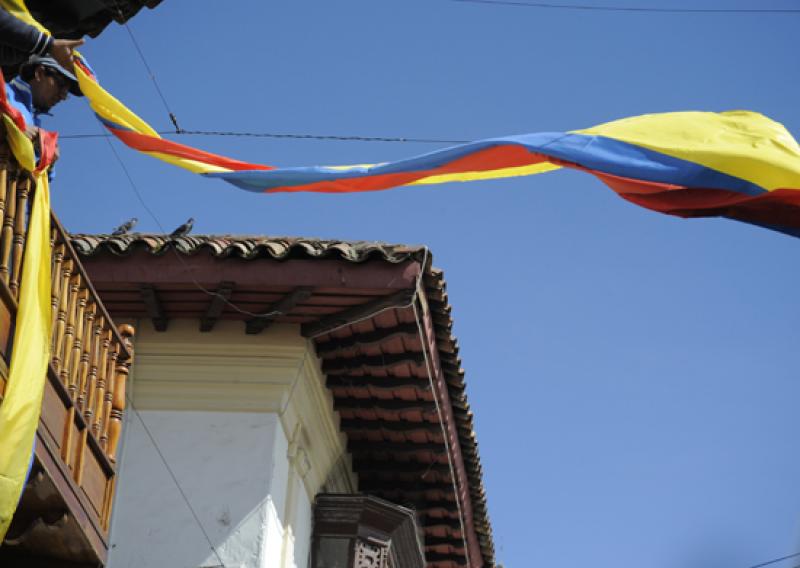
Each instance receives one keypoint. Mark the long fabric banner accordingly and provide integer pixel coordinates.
(739, 164)
(22, 401)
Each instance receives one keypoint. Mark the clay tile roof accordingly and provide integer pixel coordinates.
(248, 247)
(395, 400)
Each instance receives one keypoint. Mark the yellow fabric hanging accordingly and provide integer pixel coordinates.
(22, 404)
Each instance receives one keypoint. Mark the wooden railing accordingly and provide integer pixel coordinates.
(90, 357)
(84, 399)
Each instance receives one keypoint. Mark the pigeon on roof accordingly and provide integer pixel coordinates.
(183, 230)
(125, 227)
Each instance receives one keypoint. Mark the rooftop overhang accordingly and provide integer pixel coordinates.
(77, 18)
(380, 321)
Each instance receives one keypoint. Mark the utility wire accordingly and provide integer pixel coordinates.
(175, 481)
(181, 131)
(141, 199)
(172, 117)
(334, 137)
(775, 560)
(585, 7)
(186, 267)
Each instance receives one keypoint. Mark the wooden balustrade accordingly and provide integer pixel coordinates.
(84, 400)
(90, 357)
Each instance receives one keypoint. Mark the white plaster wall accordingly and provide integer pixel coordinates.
(246, 427)
(226, 467)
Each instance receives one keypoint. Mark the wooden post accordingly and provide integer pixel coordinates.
(111, 366)
(100, 416)
(91, 382)
(23, 189)
(118, 402)
(86, 352)
(61, 316)
(7, 232)
(3, 191)
(55, 288)
(77, 345)
(69, 327)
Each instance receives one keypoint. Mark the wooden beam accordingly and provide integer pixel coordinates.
(279, 308)
(436, 560)
(217, 304)
(377, 486)
(380, 383)
(347, 365)
(153, 306)
(365, 467)
(406, 330)
(353, 404)
(431, 432)
(464, 481)
(440, 512)
(404, 449)
(142, 267)
(399, 299)
(417, 497)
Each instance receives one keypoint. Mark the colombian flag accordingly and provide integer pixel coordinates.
(738, 164)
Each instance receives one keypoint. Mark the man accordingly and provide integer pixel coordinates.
(18, 41)
(42, 83)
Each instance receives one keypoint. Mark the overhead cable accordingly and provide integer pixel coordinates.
(776, 560)
(332, 137)
(172, 117)
(656, 10)
(181, 260)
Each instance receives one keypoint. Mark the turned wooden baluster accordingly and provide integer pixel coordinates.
(118, 402)
(59, 326)
(111, 365)
(56, 292)
(100, 416)
(3, 191)
(69, 327)
(23, 188)
(89, 313)
(94, 361)
(7, 232)
(77, 345)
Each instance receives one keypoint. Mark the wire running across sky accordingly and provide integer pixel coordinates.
(640, 9)
(283, 135)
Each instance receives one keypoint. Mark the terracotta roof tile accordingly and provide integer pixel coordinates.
(248, 247)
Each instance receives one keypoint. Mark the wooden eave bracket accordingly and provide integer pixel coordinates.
(217, 305)
(279, 308)
(400, 299)
(153, 306)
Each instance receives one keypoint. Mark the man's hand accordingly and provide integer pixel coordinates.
(62, 51)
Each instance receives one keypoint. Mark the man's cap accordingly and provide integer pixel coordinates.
(74, 88)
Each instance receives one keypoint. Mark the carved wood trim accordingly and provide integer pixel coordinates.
(379, 534)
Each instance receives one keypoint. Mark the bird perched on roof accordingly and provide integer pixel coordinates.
(183, 230)
(125, 227)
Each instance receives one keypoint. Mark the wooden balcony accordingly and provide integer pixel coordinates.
(64, 513)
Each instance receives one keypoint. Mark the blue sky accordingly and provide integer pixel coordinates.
(634, 377)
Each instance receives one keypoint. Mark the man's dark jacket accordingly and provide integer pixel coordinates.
(18, 41)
